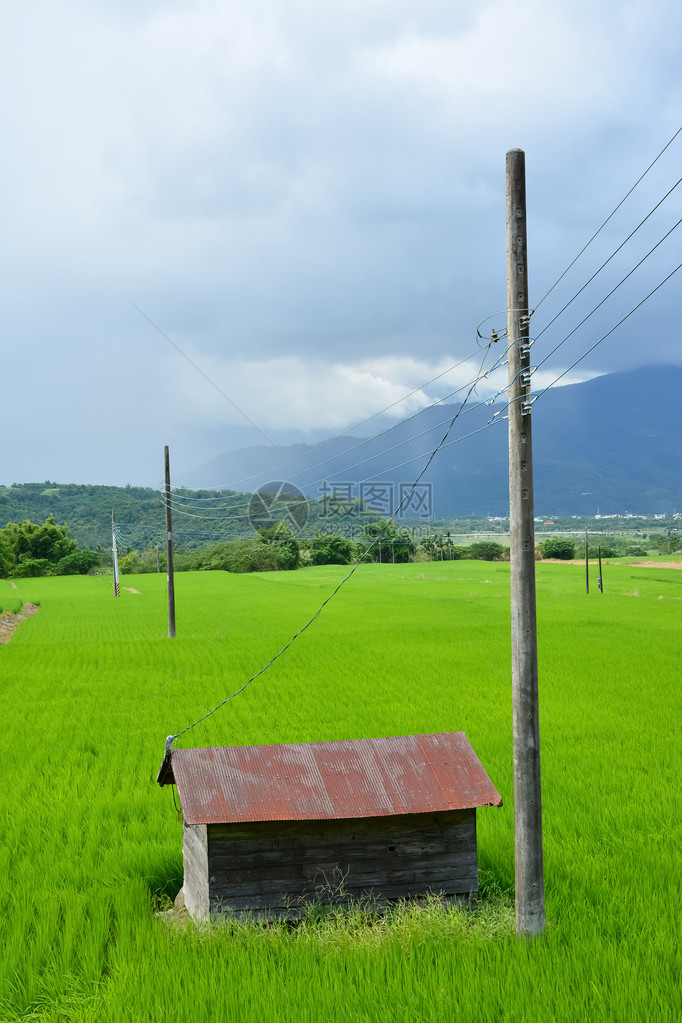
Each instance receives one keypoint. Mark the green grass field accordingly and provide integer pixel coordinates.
(90, 686)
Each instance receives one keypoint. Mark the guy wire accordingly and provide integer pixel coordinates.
(173, 739)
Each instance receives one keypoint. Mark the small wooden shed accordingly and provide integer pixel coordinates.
(269, 829)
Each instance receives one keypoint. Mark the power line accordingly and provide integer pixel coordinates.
(450, 369)
(609, 332)
(173, 738)
(207, 378)
(606, 297)
(612, 214)
(607, 261)
(197, 503)
(367, 479)
(601, 339)
(368, 440)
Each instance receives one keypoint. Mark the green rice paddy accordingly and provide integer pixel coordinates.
(91, 847)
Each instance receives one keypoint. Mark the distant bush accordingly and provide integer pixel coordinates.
(485, 550)
(30, 550)
(605, 550)
(329, 549)
(382, 542)
(246, 556)
(559, 547)
(31, 568)
(440, 548)
(77, 563)
(455, 553)
(668, 544)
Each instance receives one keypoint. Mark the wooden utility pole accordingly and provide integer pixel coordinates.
(169, 548)
(529, 874)
(117, 585)
(587, 564)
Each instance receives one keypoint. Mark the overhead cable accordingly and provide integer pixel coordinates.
(172, 739)
(607, 261)
(610, 216)
(208, 379)
(291, 476)
(609, 332)
(606, 297)
(181, 510)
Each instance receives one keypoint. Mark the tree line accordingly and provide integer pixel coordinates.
(28, 549)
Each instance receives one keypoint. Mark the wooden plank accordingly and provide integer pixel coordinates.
(223, 867)
(274, 832)
(195, 862)
(278, 868)
(314, 839)
(327, 883)
(286, 901)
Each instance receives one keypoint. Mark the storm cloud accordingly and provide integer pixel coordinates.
(307, 199)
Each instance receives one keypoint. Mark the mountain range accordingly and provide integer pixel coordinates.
(610, 445)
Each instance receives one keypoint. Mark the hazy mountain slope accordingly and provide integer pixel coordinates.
(613, 444)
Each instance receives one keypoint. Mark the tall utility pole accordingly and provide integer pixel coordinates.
(169, 547)
(529, 874)
(117, 585)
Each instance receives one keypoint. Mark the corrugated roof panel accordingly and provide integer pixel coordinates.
(323, 780)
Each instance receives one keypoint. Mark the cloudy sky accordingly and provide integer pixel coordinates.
(306, 197)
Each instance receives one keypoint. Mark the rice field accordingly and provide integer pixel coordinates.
(91, 847)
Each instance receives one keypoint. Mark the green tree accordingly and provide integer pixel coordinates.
(330, 549)
(605, 550)
(559, 547)
(128, 563)
(384, 543)
(485, 550)
(668, 544)
(288, 554)
(77, 563)
(32, 550)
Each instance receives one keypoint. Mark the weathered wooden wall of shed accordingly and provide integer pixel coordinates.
(273, 868)
(195, 885)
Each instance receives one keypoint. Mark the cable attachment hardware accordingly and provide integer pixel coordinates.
(494, 336)
(527, 405)
(496, 395)
(526, 375)
(524, 349)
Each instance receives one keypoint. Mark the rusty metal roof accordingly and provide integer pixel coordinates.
(321, 780)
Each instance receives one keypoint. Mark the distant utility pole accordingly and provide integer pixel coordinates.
(117, 585)
(529, 873)
(587, 564)
(169, 547)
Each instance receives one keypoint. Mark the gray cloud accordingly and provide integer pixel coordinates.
(295, 191)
